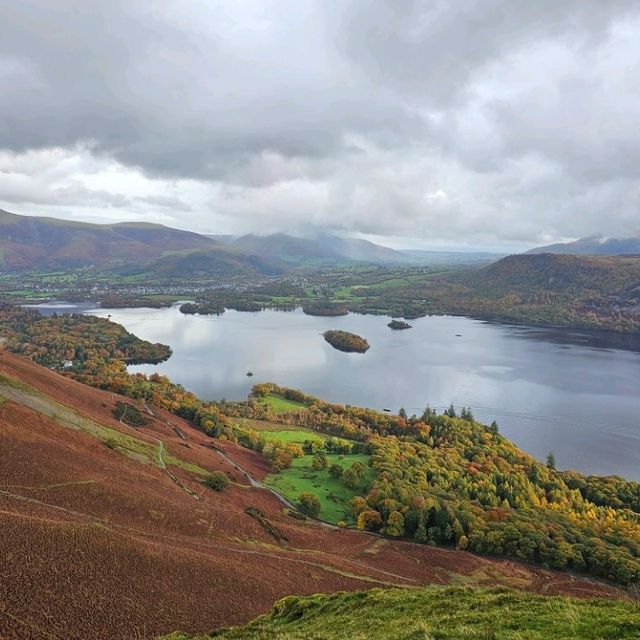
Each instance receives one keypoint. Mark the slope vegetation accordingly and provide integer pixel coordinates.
(108, 532)
(445, 614)
(28, 242)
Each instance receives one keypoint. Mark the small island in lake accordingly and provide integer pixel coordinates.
(202, 308)
(324, 308)
(345, 341)
(397, 325)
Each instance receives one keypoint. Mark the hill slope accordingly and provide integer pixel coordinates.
(102, 517)
(321, 250)
(594, 245)
(33, 243)
(560, 290)
(446, 614)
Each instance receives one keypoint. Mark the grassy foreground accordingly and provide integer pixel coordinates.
(436, 613)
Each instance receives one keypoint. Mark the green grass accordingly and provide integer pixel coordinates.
(278, 404)
(333, 495)
(436, 613)
(297, 435)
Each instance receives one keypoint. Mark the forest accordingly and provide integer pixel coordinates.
(87, 342)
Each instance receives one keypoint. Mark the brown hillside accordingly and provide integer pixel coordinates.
(98, 540)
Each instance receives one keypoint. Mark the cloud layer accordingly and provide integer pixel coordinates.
(481, 123)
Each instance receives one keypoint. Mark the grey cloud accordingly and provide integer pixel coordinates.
(339, 115)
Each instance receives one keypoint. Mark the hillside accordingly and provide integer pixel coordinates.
(446, 614)
(322, 250)
(564, 290)
(594, 245)
(110, 518)
(202, 265)
(28, 242)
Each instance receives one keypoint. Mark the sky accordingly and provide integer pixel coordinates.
(500, 124)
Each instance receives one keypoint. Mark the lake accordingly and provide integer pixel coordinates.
(574, 393)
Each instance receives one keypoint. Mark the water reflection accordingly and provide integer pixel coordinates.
(573, 393)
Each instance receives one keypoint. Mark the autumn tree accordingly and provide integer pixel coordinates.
(309, 504)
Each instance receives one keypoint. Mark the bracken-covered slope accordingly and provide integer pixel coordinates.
(108, 532)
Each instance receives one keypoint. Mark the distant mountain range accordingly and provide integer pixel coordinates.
(129, 248)
(331, 249)
(595, 246)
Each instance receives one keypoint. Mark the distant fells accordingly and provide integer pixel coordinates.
(30, 243)
(595, 246)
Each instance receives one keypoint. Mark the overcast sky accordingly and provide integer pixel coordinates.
(496, 123)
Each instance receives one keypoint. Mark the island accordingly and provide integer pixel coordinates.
(202, 308)
(345, 341)
(324, 308)
(398, 325)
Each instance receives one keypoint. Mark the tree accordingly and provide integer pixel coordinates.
(451, 411)
(551, 460)
(336, 471)
(402, 413)
(369, 520)
(320, 461)
(493, 428)
(282, 459)
(350, 478)
(309, 504)
(358, 469)
(395, 524)
(217, 481)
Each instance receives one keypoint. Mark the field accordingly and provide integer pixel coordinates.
(278, 404)
(297, 435)
(442, 614)
(334, 496)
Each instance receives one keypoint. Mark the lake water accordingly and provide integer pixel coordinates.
(574, 393)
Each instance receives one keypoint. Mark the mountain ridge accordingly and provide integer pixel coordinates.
(593, 245)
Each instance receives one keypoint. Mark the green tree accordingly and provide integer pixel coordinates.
(350, 478)
(217, 481)
(336, 471)
(320, 461)
(309, 504)
(551, 460)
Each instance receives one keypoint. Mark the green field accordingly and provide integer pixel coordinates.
(278, 404)
(436, 613)
(297, 435)
(334, 496)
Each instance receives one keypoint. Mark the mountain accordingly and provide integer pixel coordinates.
(600, 292)
(595, 245)
(28, 242)
(204, 265)
(99, 516)
(321, 250)
(607, 275)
